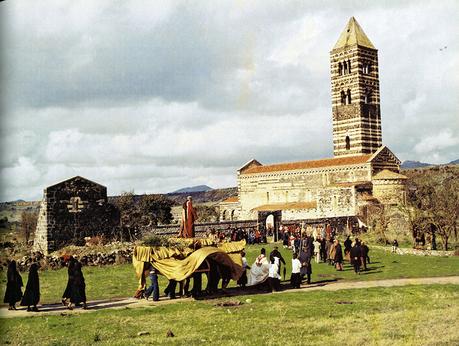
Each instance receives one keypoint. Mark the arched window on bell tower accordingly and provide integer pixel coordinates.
(340, 68)
(348, 143)
(349, 96)
(345, 67)
(367, 97)
(349, 66)
(343, 97)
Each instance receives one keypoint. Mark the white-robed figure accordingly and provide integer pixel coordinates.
(259, 271)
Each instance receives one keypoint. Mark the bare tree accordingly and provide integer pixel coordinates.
(434, 201)
(206, 213)
(28, 224)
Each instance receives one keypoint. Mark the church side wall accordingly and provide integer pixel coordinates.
(390, 191)
(299, 186)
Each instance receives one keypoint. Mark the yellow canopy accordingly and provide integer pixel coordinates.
(178, 264)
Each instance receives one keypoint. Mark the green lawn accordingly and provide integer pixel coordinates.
(411, 315)
(120, 280)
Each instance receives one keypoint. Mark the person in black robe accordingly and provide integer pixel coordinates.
(323, 249)
(347, 245)
(356, 253)
(71, 273)
(213, 277)
(77, 288)
(13, 293)
(285, 238)
(196, 291)
(170, 289)
(32, 291)
(364, 253)
(338, 260)
(306, 268)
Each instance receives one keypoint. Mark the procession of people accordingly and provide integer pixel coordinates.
(307, 245)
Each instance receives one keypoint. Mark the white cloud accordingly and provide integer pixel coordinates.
(154, 96)
(432, 148)
(22, 174)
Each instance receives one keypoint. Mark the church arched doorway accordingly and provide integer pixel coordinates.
(272, 217)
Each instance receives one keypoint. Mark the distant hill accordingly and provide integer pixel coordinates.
(211, 196)
(417, 164)
(198, 188)
(414, 164)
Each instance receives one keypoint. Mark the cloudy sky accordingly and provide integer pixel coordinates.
(153, 96)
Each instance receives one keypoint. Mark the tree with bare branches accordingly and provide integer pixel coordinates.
(28, 224)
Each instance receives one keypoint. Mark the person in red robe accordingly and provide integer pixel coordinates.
(189, 216)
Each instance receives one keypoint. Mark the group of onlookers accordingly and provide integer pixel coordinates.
(251, 236)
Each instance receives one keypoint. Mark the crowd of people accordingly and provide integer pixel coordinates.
(250, 235)
(306, 246)
(325, 247)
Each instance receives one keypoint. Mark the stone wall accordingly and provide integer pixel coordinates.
(72, 210)
(202, 228)
(390, 191)
(229, 211)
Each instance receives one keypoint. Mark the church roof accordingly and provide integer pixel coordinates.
(353, 34)
(232, 199)
(290, 166)
(286, 206)
(388, 175)
(77, 178)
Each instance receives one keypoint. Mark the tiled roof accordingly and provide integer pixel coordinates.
(232, 199)
(286, 206)
(388, 175)
(353, 34)
(337, 161)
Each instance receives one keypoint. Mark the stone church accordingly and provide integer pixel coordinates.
(71, 210)
(335, 190)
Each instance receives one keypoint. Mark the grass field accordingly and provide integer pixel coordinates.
(120, 280)
(411, 315)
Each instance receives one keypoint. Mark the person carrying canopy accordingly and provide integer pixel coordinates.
(180, 264)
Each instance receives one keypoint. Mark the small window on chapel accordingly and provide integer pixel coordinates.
(348, 143)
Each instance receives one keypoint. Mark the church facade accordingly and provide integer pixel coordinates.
(362, 171)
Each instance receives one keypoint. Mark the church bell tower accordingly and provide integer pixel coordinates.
(355, 93)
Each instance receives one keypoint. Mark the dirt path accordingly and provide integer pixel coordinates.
(132, 303)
